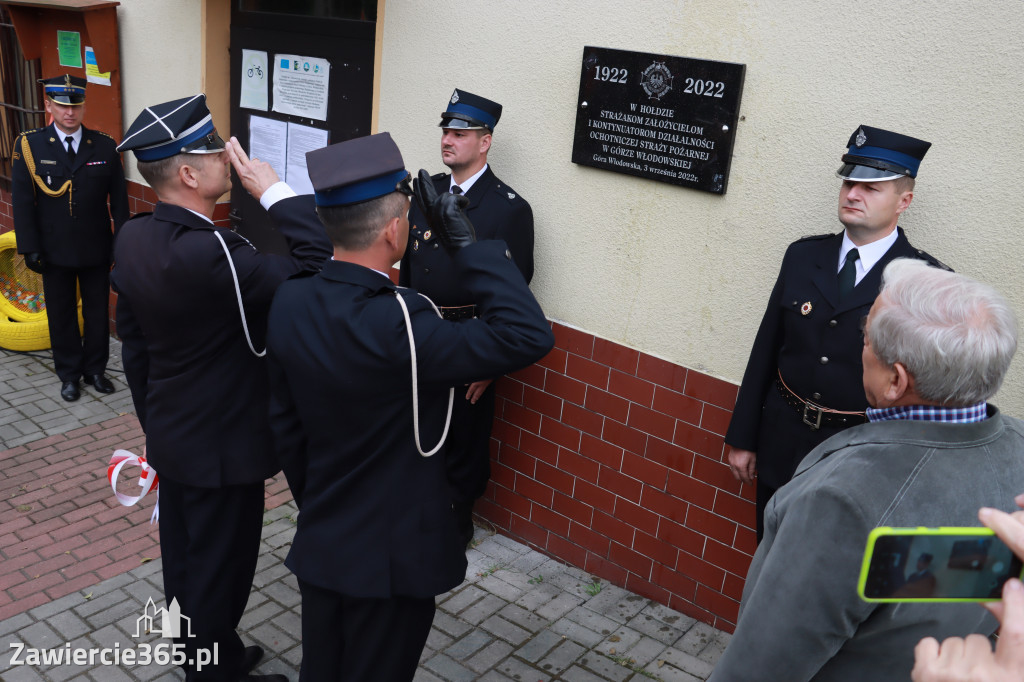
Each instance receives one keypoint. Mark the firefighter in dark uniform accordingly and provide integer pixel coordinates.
(191, 312)
(803, 379)
(62, 178)
(362, 375)
(497, 212)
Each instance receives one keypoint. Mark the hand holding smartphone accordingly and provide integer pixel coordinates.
(936, 565)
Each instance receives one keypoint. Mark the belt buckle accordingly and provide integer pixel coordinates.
(813, 422)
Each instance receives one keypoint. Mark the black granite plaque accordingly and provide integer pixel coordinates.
(665, 118)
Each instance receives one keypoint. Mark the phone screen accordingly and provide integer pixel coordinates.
(936, 564)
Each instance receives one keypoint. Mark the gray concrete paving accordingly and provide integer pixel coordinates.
(519, 615)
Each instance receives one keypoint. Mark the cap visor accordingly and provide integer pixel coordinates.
(209, 144)
(450, 122)
(851, 171)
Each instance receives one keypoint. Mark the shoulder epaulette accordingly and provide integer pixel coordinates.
(100, 132)
(303, 274)
(438, 176)
(29, 132)
(813, 237)
(507, 192)
(932, 260)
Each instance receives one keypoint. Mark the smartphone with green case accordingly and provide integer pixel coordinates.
(935, 565)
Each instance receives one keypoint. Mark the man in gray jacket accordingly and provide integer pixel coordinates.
(936, 346)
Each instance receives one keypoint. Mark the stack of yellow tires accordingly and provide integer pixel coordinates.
(23, 325)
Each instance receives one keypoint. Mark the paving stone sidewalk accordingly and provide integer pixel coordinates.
(78, 569)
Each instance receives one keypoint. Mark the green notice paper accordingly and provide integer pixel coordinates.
(69, 48)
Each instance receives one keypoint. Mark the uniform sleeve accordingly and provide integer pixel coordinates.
(510, 332)
(134, 355)
(290, 440)
(800, 604)
(118, 192)
(24, 203)
(260, 274)
(518, 234)
(759, 375)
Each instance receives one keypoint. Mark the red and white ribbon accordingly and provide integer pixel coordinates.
(148, 479)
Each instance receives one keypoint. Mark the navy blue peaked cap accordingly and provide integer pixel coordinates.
(466, 110)
(182, 126)
(357, 170)
(875, 155)
(65, 89)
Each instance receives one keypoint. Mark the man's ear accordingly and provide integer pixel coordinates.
(188, 174)
(392, 235)
(901, 383)
(904, 202)
(485, 143)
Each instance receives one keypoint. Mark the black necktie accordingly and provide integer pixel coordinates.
(848, 275)
(456, 189)
(71, 147)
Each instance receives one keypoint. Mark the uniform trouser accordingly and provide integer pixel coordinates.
(468, 454)
(351, 639)
(74, 353)
(209, 542)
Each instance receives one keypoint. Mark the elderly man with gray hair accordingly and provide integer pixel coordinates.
(936, 347)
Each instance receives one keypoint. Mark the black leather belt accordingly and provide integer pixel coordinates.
(458, 312)
(816, 416)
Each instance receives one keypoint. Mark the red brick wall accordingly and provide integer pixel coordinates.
(613, 460)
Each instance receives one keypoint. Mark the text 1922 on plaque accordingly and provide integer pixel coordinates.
(665, 118)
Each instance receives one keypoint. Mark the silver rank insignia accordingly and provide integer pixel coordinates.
(511, 195)
(861, 138)
(455, 96)
(806, 308)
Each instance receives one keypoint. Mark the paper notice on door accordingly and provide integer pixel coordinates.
(268, 141)
(92, 69)
(302, 139)
(255, 80)
(301, 86)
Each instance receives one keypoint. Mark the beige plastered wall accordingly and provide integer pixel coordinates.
(172, 49)
(683, 274)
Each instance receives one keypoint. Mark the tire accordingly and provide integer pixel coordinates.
(24, 336)
(23, 323)
(21, 288)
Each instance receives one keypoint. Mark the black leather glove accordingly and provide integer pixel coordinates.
(34, 261)
(444, 213)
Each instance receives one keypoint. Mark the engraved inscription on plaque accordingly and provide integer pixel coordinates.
(665, 118)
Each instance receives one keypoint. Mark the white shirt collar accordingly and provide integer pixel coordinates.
(869, 253)
(76, 136)
(200, 215)
(467, 183)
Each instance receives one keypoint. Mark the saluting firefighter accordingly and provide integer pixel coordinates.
(497, 212)
(192, 311)
(803, 379)
(63, 175)
(361, 377)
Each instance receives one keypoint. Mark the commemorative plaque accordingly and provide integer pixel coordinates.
(665, 118)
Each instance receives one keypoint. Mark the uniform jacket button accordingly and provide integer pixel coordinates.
(832, 323)
(823, 360)
(815, 396)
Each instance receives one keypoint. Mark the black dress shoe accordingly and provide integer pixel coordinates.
(69, 391)
(100, 383)
(251, 657)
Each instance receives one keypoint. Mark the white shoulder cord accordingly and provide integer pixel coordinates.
(415, 386)
(238, 294)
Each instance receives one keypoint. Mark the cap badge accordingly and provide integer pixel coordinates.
(455, 97)
(861, 138)
(511, 195)
(427, 235)
(67, 80)
(806, 308)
